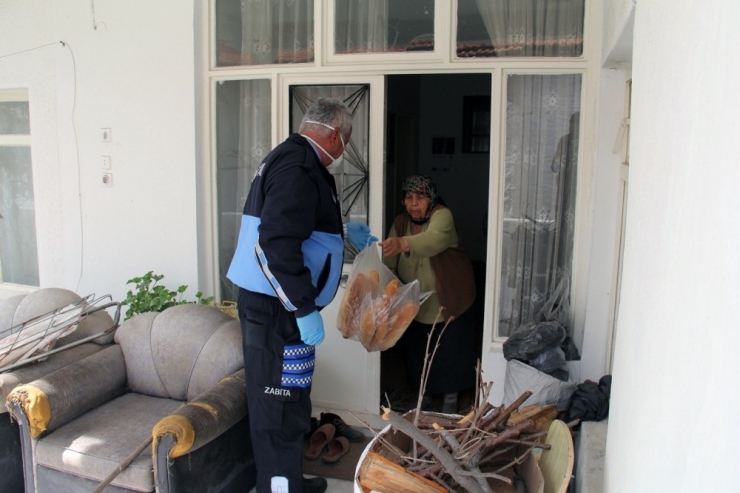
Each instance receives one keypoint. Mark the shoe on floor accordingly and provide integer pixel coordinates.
(314, 485)
(342, 428)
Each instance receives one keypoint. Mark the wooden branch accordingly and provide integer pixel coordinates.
(448, 462)
(497, 439)
(455, 445)
(501, 419)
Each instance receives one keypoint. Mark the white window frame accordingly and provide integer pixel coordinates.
(442, 60)
(15, 140)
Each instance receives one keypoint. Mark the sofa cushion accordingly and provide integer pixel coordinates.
(93, 445)
(181, 351)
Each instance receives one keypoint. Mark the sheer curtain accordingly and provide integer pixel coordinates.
(243, 130)
(534, 27)
(277, 31)
(361, 26)
(542, 116)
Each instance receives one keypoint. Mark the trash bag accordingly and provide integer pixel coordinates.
(545, 388)
(549, 360)
(529, 340)
(376, 308)
(570, 349)
(590, 401)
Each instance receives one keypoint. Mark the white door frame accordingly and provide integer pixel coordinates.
(347, 376)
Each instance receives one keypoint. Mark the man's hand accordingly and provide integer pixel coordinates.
(358, 234)
(312, 328)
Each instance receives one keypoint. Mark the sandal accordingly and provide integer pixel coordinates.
(319, 439)
(337, 448)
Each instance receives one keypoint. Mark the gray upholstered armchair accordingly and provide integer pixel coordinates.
(20, 309)
(175, 377)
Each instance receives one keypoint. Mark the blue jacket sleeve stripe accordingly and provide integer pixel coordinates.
(262, 261)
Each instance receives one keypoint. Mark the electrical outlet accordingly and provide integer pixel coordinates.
(105, 162)
(107, 179)
(105, 134)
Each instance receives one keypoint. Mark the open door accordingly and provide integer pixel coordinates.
(346, 375)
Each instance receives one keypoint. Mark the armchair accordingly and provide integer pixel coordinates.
(19, 309)
(174, 376)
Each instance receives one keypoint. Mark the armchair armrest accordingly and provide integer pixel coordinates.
(204, 418)
(69, 392)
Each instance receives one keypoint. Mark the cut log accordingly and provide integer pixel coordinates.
(379, 474)
(542, 415)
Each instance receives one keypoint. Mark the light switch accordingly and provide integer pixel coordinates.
(105, 134)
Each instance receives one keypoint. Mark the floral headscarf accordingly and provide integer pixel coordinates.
(421, 185)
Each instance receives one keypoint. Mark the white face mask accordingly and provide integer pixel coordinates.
(335, 162)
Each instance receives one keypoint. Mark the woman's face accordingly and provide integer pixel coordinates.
(416, 205)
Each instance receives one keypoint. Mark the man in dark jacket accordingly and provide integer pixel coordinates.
(288, 263)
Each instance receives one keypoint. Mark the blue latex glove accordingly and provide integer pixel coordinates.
(358, 234)
(312, 328)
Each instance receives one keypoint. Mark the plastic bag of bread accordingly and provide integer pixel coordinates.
(376, 308)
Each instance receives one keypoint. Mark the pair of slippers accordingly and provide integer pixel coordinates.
(324, 438)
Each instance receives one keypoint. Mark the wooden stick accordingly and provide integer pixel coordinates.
(450, 464)
(501, 419)
(126, 462)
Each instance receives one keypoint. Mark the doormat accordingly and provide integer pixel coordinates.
(343, 469)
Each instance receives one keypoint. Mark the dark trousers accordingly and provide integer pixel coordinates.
(453, 367)
(279, 405)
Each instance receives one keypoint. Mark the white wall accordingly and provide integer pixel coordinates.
(674, 397)
(129, 67)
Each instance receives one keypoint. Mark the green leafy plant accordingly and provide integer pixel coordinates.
(148, 296)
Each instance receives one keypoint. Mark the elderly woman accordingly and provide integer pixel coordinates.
(423, 244)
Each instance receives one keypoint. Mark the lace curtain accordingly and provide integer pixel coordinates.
(277, 31)
(361, 26)
(534, 27)
(542, 116)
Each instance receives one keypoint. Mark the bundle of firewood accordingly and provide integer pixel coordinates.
(476, 453)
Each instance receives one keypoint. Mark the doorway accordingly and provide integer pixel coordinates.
(439, 125)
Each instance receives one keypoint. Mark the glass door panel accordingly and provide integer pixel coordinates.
(542, 133)
(353, 176)
(243, 139)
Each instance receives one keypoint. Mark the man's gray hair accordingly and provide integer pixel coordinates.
(329, 111)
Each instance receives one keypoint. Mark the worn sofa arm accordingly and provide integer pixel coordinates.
(202, 419)
(61, 396)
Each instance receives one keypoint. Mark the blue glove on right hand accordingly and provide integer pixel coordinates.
(358, 234)
(312, 328)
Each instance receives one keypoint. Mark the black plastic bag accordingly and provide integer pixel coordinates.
(529, 340)
(549, 360)
(570, 349)
(590, 401)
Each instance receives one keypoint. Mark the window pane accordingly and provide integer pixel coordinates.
(14, 118)
(259, 32)
(352, 177)
(18, 253)
(542, 116)
(381, 26)
(492, 28)
(243, 138)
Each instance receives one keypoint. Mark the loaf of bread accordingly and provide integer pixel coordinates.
(377, 316)
(360, 286)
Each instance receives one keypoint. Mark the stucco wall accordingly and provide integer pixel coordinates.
(674, 397)
(128, 67)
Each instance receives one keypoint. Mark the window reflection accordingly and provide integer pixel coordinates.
(519, 28)
(383, 26)
(259, 32)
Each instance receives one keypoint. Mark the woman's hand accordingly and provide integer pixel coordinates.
(394, 246)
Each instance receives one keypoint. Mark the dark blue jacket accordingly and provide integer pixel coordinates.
(290, 242)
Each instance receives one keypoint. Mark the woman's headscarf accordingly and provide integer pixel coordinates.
(421, 185)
